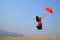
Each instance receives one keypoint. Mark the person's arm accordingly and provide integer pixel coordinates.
(43, 16)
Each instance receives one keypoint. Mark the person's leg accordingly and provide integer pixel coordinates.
(39, 26)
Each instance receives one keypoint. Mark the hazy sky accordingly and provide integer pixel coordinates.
(19, 16)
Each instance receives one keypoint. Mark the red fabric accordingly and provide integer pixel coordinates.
(48, 9)
(40, 21)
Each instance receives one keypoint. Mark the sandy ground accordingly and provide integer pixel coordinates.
(29, 38)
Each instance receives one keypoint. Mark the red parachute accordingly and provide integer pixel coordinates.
(48, 9)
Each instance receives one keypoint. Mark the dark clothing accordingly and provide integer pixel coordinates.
(39, 26)
(37, 18)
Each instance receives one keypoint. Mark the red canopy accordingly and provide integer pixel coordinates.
(48, 9)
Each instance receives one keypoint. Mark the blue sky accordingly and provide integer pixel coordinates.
(19, 16)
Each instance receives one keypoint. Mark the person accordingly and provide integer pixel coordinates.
(39, 20)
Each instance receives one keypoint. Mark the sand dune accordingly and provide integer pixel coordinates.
(29, 38)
